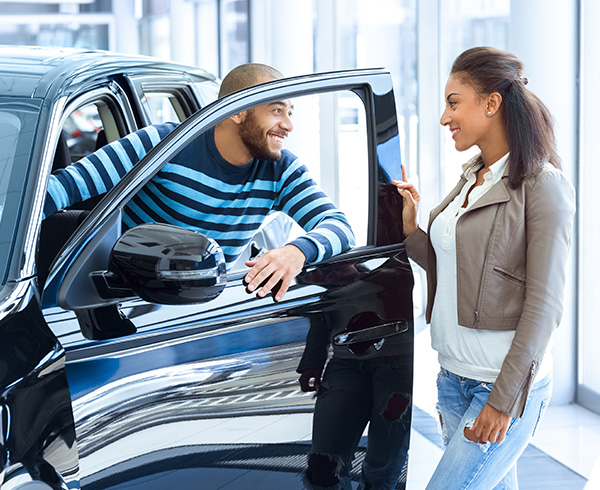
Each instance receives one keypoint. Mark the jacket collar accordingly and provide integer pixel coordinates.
(498, 193)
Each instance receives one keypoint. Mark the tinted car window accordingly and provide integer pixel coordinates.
(17, 129)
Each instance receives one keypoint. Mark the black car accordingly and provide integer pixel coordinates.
(121, 365)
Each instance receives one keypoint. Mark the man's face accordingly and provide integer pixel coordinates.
(264, 129)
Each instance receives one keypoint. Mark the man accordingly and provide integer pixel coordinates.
(223, 184)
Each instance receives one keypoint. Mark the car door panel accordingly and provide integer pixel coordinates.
(223, 365)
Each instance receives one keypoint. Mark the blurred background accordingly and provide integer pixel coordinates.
(416, 40)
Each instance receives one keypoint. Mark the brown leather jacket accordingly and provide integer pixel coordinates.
(512, 248)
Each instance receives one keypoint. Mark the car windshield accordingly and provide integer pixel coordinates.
(18, 120)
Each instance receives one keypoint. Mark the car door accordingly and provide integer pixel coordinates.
(177, 393)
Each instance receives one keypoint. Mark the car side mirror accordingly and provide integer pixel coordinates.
(164, 264)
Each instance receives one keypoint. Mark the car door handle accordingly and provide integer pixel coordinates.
(371, 334)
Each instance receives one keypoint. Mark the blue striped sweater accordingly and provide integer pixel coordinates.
(200, 190)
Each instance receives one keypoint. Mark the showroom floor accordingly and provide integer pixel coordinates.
(565, 453)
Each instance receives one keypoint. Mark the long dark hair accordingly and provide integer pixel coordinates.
(529, 124)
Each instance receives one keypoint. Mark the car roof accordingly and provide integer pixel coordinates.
(31, 71)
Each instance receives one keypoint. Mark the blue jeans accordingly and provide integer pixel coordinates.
(353, 393)
(466, 464)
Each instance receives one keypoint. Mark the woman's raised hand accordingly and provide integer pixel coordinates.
(410, 199)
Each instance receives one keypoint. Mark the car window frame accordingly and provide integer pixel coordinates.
(117, 101)
(62, 106)
(373, 86)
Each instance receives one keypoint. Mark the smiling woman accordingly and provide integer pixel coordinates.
(495, 254)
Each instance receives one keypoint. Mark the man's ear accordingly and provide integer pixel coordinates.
(239, 117)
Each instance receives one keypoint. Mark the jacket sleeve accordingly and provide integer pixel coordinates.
(549, 211)
(99, 172)
(328, 232)
(417, 244)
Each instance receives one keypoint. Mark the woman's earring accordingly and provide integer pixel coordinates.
(489, 113)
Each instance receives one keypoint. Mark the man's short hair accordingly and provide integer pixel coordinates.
(247, 75)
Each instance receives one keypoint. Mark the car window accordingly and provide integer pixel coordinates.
(82, 129)
(10, 126)
(164, 107)
(86, 129)
(89, 124)
(334, 149)
(206, 92)
(17, 129)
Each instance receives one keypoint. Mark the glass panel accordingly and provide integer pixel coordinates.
(155, 36)
(465, 24)
(80, 35)
(17, 129)
(209, 197)
(353, 172)
(83, 131)
(164, 107)
(385, 36)
(235, 39)
(56, 7)
(10, 126)
(349, 188)
(589, 199)
(206, 36)
(152, 7)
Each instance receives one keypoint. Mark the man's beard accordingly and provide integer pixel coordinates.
(255, 140)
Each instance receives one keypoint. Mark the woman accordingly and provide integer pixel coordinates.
(495, 254)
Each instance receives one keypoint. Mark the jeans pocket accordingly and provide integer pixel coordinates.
(441, 375)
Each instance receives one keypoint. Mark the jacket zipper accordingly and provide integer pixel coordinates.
(527, 383)
(532, 371)
(476, 321)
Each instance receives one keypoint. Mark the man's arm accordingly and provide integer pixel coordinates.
(328, 234)
(100, 171)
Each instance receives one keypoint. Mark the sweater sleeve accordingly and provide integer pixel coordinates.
(100, 171)
(328, 232)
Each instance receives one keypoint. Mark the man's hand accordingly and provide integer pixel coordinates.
(310, 380)
(490, 425)
(276, 266)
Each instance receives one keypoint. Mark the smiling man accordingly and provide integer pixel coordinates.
(223, 184)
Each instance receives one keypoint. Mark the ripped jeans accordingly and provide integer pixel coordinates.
(353, 393)
(469, 465)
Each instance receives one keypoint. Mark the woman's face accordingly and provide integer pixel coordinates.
(465, 114)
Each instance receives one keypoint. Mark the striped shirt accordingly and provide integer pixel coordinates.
(198, 189)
